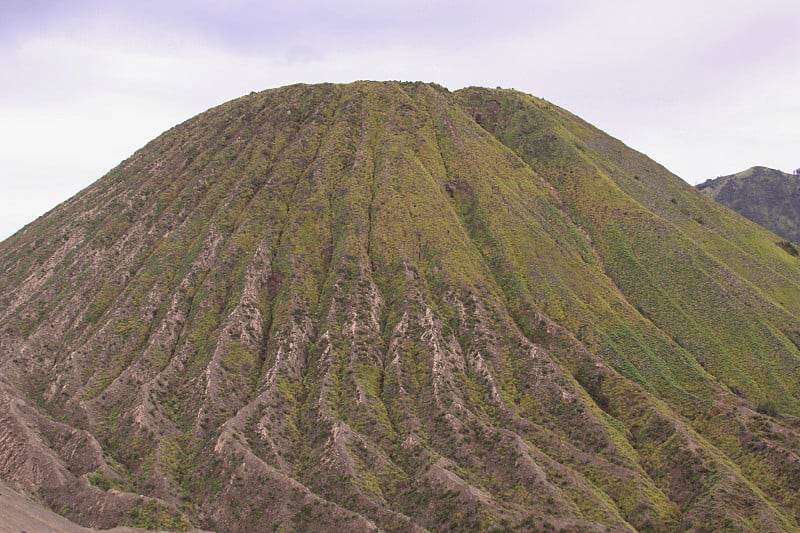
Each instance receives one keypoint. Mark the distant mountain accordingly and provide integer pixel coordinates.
(389, 306)
(766, 196)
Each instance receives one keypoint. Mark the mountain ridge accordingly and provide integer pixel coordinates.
(392, 306)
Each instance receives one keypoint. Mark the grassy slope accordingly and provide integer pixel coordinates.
(718, 287)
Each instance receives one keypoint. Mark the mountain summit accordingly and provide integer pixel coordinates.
(388, 306)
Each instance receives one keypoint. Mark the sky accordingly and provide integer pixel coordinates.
(705, 88)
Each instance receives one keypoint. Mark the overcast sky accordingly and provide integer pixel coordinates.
(705, 88)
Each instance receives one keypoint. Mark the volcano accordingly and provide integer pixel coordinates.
(389, 306)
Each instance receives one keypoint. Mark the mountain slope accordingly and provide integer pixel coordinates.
(766, 196)
(388, 306)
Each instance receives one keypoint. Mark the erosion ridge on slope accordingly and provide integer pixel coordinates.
(386, 305)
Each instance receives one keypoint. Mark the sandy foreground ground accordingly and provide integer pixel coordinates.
(20, 514)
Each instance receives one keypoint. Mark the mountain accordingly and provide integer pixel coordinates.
(388, 306)
(766, 196)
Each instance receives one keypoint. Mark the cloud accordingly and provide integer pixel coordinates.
(699, 87)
